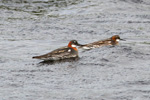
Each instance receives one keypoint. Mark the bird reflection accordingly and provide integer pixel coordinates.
(49, 62)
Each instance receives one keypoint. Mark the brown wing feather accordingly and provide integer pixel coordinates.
(101, 42)
(98, 43)
(56, 53)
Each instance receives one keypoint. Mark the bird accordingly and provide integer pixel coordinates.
(66, 52)
(114, 40)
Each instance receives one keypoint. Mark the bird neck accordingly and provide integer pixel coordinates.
(70, 46)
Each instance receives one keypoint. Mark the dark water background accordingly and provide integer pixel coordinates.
(34, 27)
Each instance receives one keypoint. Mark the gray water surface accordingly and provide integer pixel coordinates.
(35, 27)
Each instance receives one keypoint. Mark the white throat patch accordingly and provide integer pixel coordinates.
(73, 45)
(117, 40)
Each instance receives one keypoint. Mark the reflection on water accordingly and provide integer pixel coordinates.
(57, 62)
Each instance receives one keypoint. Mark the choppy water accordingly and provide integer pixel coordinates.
(34, 27)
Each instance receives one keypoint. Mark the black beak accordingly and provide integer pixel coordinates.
(79, 44)
(122, 39)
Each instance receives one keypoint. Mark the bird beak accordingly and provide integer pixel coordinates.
(122, 39)
(79, 44)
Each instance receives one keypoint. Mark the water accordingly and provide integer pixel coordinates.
(29, 28)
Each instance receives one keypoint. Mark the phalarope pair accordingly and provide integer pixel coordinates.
(71, 51)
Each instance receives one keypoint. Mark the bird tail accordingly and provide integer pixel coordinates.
(36, 57)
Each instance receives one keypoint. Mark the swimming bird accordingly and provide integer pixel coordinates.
(66, 52)
(114, 40)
